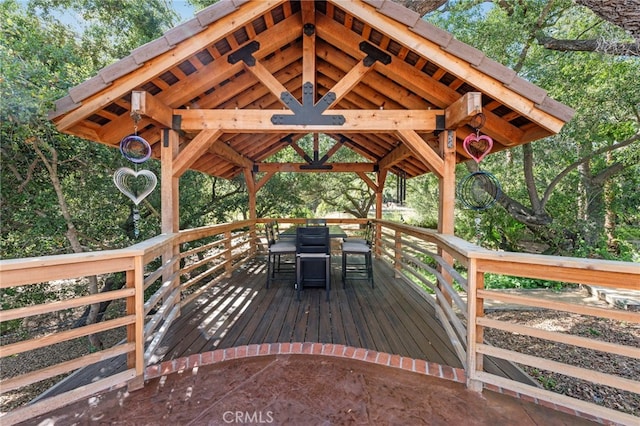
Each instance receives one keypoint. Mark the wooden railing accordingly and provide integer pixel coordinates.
(406, 248)
(164, 273)
(161, 275)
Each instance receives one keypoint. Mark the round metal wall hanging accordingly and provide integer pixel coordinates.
(479, 190)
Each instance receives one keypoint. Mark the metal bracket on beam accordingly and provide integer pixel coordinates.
(314, 166)
(165, 138)
(374, 54)
(309, 29)
(176, 122)
(440, 125)
(245, 54)
(307, 113)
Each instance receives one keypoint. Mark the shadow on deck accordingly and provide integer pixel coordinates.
(392, 318)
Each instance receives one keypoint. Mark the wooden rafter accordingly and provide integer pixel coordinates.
(308, 14)
(163, 63)
(194, 150)
(422, 150)
(448, 61)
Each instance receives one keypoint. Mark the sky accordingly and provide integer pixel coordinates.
(184, 9)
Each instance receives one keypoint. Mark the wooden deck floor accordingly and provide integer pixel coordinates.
(390, 318)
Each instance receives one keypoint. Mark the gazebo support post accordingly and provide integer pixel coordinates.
(253, 214)
(382, 177)
(447, 195)
(170, 196)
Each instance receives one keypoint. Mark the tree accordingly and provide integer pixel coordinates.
(599, 86)
(49, 180)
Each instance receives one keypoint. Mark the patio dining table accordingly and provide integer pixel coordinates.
(335, 231)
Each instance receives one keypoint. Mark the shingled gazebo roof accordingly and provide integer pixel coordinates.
(360, 57)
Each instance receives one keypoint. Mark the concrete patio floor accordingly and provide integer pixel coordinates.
(303, 390)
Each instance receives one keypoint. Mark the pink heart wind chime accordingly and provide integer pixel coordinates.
(136, 185)
(479, 190)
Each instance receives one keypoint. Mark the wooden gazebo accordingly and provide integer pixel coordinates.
(220, 94)
(242, 80)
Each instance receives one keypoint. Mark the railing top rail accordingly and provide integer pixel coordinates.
(561, 261)
(86, 257)
(204, 231)
(464, 250)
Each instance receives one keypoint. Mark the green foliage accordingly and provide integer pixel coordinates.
(493, 281)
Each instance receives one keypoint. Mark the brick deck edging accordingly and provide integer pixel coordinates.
(341, 351)
(327, 349)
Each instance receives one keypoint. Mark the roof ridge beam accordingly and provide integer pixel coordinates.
(308, 15)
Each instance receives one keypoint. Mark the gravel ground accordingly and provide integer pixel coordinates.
(600, 329)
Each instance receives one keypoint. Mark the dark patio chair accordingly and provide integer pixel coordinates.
(354, 248)
(277, 248)
(313, 258)
(366, 238)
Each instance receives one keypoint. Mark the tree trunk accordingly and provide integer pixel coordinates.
(623, 13)
(72, 233)
(610, 214)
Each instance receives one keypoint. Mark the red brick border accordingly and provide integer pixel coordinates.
(307, 348)
(419, 366)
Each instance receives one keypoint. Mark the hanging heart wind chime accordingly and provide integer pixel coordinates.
(136, 185)
(478, 190)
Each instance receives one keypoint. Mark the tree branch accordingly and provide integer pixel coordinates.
(575, 164)
(593, 45)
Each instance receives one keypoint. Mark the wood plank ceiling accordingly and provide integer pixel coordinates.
(373, 55)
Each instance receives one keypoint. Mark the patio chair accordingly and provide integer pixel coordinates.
(367, 238)
(313, 258)
(354, 248)
(277, 248)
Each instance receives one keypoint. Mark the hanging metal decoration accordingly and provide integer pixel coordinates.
(478, 190)
(136, 185)
(135, 149)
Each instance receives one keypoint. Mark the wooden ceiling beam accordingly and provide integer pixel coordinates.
(193, 150)
(304, 167)
(225, 151)
(144, 104)
(413, 79)
(459, 68)
(268, 79)
(463, 110)
(165, 62)
(422, 150)
(308, 16)
(371, 184)
(349, 81)
(394, 157)
(250, 121)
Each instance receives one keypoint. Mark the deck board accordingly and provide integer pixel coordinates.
(242, 311)
(392, 317)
